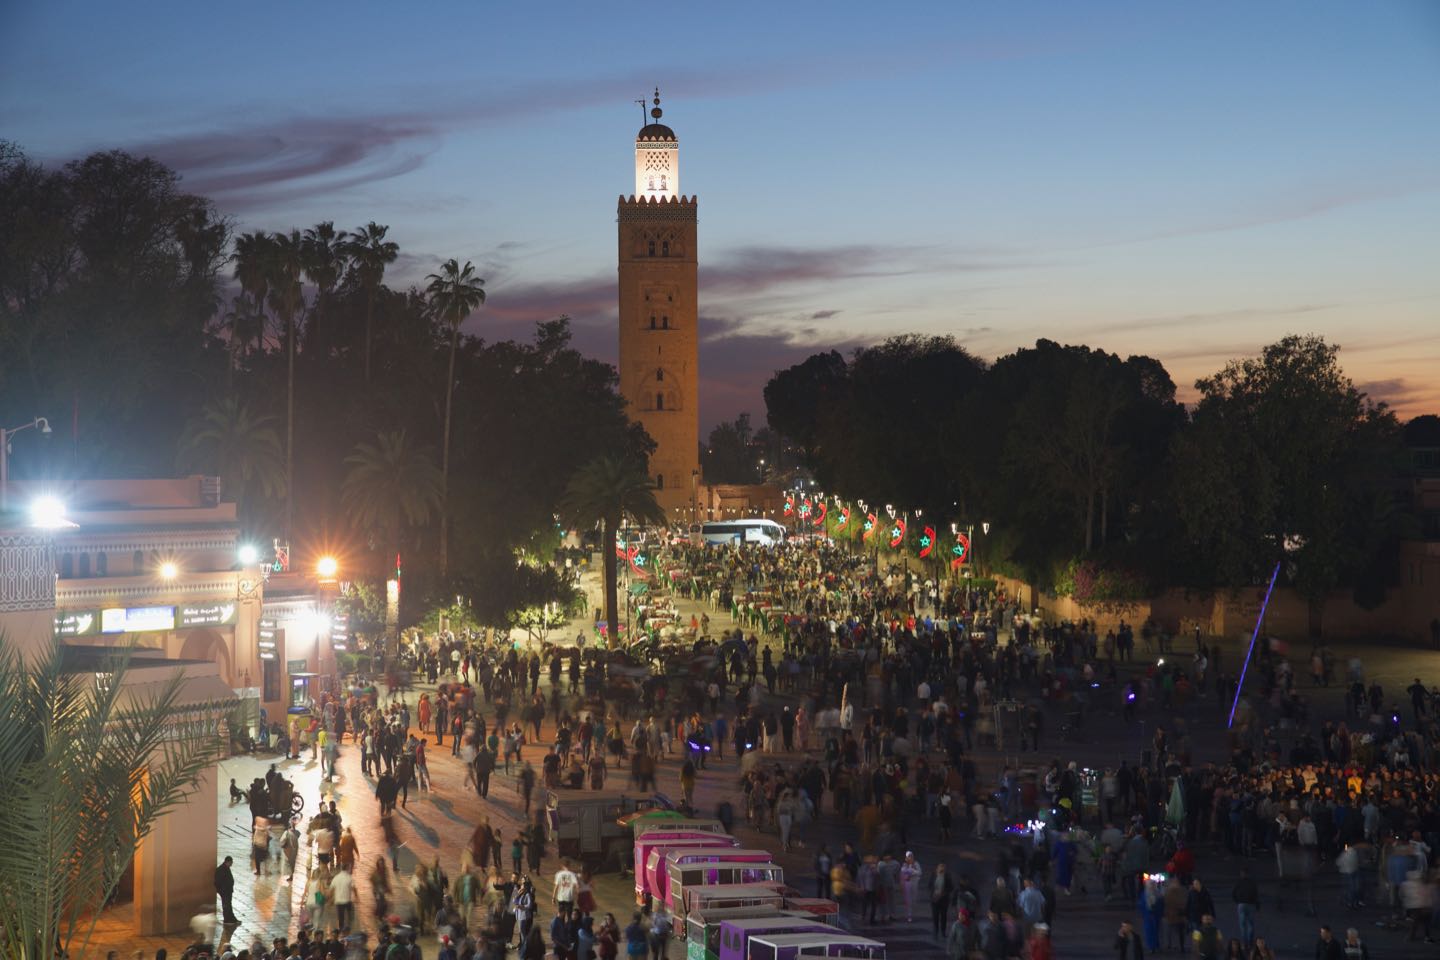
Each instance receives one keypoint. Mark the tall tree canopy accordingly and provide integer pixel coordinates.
(729, 455)
(114, 327)
(898, 401)
(108, 283)
(1286, 459)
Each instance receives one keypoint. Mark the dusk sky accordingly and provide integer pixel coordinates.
(1186, 180)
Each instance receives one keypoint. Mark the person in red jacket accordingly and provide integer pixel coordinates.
(1040, 943)
(1183, 862)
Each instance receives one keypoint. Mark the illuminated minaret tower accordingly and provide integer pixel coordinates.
(659, 343)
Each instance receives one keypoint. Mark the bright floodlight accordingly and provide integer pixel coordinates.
(248, 554)
(48, 512)
(169, 570)
(327, 566)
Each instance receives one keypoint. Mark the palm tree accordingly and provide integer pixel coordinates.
(454, 294)
(324, 264)
(369, 252)
(390, 485)
(286, 263)
(91, 764)
(253, 255)
(243, 323)
(227, 440)
(609, 491)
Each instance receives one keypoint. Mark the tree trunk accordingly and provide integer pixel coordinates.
(608, 565)
(445, 458)
(369, 315)
(289, 421)
(1090, 519)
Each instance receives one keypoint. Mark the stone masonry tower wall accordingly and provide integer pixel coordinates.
(659, 309)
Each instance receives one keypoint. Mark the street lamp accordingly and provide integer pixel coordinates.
(248, 554)
(327, 567)
(48, 513)
(44, 426)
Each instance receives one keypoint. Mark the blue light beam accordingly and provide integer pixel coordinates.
(1239, 686)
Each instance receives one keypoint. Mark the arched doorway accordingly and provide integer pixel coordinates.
(205, 644)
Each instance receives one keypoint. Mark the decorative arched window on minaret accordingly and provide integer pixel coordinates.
(657, 160)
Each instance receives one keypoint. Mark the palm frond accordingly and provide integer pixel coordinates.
(90, 767)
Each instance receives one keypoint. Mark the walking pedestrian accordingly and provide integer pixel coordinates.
(290, 847)
(659, 938)
(942, 891)
(225, 887)
(910, 874)
(341, 893)
(1246, 894)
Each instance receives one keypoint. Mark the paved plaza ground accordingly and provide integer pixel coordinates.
(440, 823)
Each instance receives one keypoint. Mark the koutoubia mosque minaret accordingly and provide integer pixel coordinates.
(659, 342)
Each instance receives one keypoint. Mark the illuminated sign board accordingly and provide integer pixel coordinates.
(340, 632)
(76, 623)
(267, 638)
(295, 666)
(208, 615)
(136, 619)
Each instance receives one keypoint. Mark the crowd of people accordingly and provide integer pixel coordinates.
(903, 713)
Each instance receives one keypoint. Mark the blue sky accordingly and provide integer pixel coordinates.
(1187, 180)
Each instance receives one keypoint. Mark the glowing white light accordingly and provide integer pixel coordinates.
(48, 512)
(248, 554)
(169, 570)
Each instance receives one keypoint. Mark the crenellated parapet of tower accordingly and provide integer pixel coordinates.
(658, 208)
(682, 201)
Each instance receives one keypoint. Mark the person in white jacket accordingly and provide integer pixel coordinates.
(910, 874)
(342, 894)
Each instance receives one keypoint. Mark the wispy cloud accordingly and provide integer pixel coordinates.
(1301, 202)
(1207, 318)
(1396, 391)
(248, 165)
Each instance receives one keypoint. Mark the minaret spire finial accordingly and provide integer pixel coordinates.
(657, 113)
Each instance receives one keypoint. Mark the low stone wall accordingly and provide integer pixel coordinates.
(1405, 614)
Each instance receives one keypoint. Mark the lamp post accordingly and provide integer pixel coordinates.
(5, 435)
(889, 512)
(694, 497)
